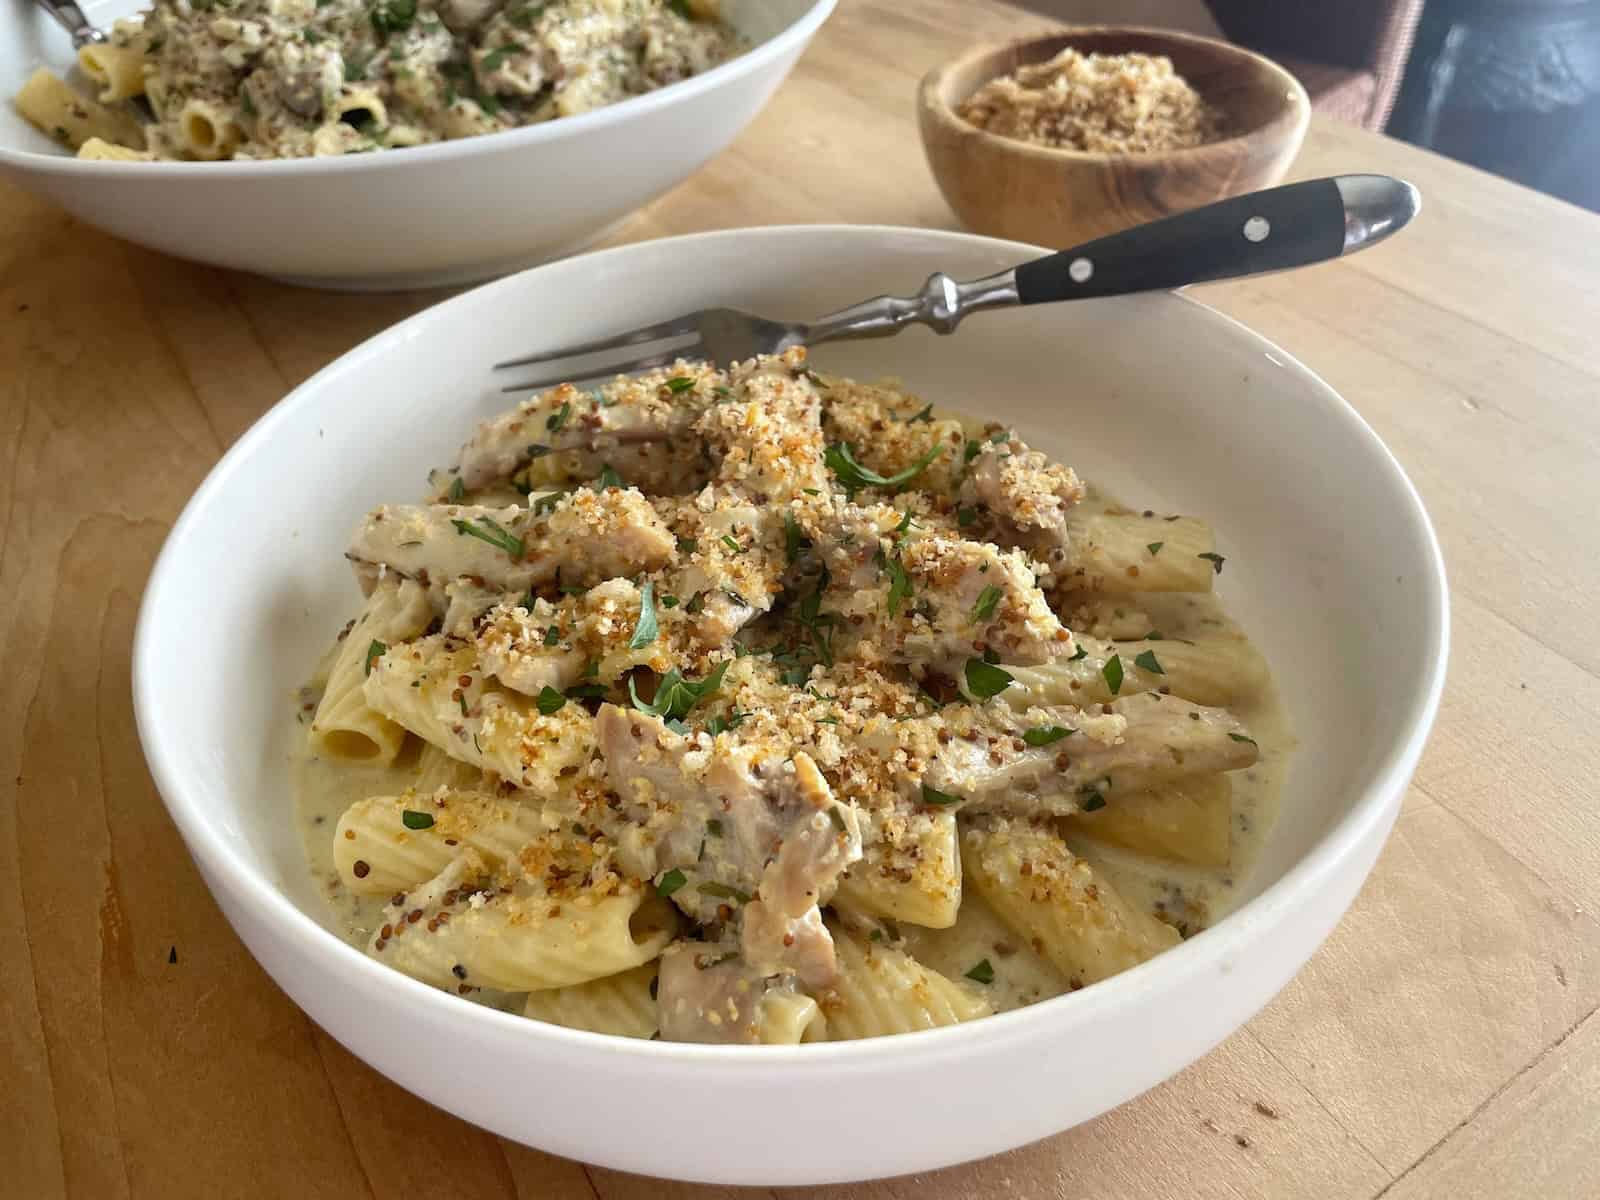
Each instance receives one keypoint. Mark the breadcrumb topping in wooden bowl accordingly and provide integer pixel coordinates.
(1076, 134)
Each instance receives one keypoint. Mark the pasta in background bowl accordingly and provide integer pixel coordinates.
(508, 188)
(1331, 566)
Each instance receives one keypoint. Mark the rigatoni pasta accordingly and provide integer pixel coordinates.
(685, 709)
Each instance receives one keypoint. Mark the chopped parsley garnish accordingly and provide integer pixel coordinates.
(249, 107)
(924, 414)
(547, 503)
(678, 383)
(905, 523)
(982, 973)
(487, 529)
(723, 892)
(987, 599)
(551, 701)
(552, 636)
(722, 724)
(1239, 737)
(669, 602)
(671, 882)
(1000, 437)
(374, 652)
(938, 799)
(538, 450)
(675, 695)
(524, 17)
(491, 62)
(587, 691)
(392, 16)
(836, 815)
(1216, 560)
(1147, 661)
(458, 490)
(899, 582)
(875, 936)
(1093, 801)
(985, 679)
(1082, 653)
(1112, 673)
(696, 603)
(645, 631)
(557, 419)
(972, 450)
(1044, 735)
(608, 479)
(412, 819)
(722, 393)
(714, 827)
(1155, 548)
(966, 516)
(687, 545)
(732, 543)
(852, 476)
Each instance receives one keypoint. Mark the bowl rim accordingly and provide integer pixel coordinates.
(185, 795)
(1295, 112)
(799, 31)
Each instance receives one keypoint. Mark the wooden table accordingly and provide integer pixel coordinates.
(1443, 1042)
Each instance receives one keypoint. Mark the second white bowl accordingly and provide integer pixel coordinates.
(440, 214)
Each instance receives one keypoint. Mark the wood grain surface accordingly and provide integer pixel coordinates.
(1443, 1043)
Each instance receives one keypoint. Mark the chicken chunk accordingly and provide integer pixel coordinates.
(1149, 740)
(585, 539)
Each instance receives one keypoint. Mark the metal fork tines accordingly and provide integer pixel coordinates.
(726, 335)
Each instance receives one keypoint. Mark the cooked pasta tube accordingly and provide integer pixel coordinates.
(1188, 822)
(119, 70)
(882, 990)
(1054, 901)
(1218, 671)
(386, 844)
(1132, 553)
(910, 870)
(563, 918)
(436, 688)
(623, 1005)
(50, 104)
(345, 725)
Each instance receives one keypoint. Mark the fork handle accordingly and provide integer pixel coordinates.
(1283, 227)
(1273, 230)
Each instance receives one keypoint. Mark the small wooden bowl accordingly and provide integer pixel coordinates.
(1028, 193)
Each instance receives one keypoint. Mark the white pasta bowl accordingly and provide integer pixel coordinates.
(425, 217)
(1331, 565)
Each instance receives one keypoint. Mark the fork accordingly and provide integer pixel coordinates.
(70, 17)
(1273, 230)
